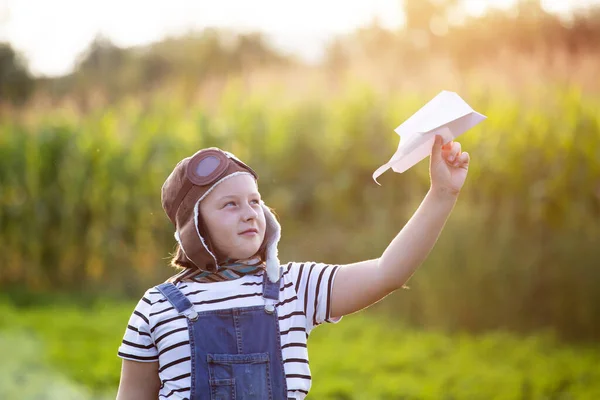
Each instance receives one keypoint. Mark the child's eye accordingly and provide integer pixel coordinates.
(231, 202)
(256, 201)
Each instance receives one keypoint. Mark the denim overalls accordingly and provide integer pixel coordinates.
(236, 353)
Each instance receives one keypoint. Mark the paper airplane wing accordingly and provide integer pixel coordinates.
(446, 115)
(442, 109)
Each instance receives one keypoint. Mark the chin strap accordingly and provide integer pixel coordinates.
(272, 240)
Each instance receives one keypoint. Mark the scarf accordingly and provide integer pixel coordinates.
(229, 270)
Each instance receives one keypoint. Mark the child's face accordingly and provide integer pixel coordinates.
(232, 208)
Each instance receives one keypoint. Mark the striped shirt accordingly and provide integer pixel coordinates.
(156, 332)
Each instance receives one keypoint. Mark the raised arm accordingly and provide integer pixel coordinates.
(361, 284)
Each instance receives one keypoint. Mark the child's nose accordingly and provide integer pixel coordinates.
(249, 213)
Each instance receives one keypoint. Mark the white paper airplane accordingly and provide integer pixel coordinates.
(446, 115)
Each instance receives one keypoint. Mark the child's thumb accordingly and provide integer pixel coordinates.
(436, 151)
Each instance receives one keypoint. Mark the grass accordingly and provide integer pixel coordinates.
(69, 352)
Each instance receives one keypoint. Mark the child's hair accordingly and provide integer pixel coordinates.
(179, 260)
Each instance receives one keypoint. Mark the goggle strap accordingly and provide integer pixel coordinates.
(188, 184)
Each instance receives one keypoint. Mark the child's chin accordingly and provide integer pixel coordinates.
(246, 253)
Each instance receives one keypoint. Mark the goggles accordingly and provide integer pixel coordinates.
(205, 168)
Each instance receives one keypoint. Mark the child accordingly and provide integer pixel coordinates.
(234, 323)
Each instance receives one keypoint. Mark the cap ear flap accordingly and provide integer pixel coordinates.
(272, 237)
(191, 241)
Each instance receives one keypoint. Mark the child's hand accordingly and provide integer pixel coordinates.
(448, 167)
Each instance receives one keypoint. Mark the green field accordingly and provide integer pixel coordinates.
(80, 196)
(67, 352)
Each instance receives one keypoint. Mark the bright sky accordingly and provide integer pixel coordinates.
(51, 34)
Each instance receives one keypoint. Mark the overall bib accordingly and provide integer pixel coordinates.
(236, 352)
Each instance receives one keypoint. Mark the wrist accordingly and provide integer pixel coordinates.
(444, 194)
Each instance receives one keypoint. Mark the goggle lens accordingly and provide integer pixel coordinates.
(207, 166)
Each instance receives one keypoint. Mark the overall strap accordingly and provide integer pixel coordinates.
(270, 289)
(270, 293)
(178, 300)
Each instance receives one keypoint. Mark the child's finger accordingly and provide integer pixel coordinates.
(454, 152)
(463, 159)
(437, 151)
(446, 148)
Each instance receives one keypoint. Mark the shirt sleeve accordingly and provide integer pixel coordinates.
(314, 283)
(138, 343)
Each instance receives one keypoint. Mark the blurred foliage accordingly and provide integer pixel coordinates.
(26, 375)
(82, 161)
(83, 157)
(366, 358)
(526, 27)
(191, 60)
(80, 197)
(361, 357)
(61, 351)
(435, 31)
(16, 85)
